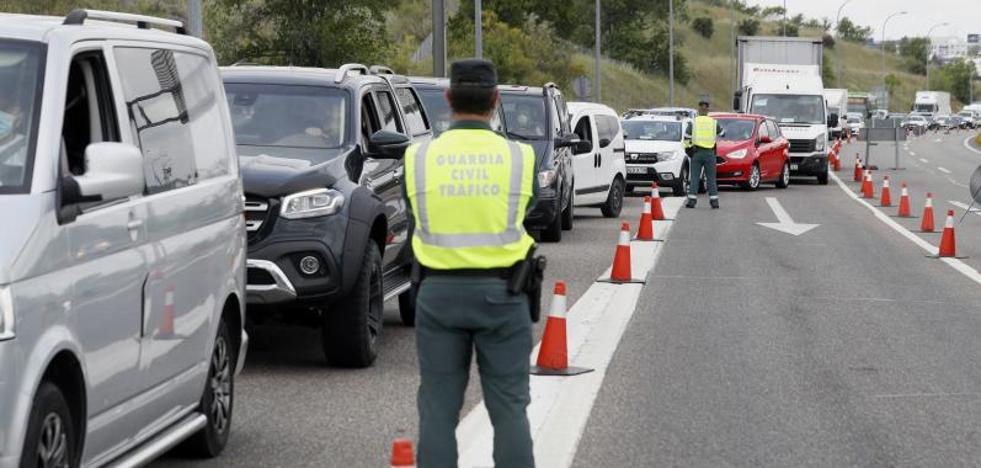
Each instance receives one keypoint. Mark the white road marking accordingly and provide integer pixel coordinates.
(967, 144)
(954, 263)
(912, 153)
(784, 222)
(944, 170)
(560, 406)
(924, 160)
(965, 207)
(951, 179)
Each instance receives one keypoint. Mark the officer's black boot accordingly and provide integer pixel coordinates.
(715, 203)
(690, 203)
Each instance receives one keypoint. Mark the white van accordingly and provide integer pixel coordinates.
(600, 175)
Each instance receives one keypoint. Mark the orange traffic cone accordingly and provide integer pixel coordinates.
(657, 211)
(620, 273)
(167, 324)
(886, 198)
(645, 230)
(402, 455)
(868, 190)
(947, 247)
(858, 169)
(553, 355)
(927, 224)
(904, 211)
(837, 163)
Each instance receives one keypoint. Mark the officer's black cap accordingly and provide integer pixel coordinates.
(704, 100)
(473, 73)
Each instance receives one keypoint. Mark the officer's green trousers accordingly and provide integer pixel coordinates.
(703, 159)
(454, 317)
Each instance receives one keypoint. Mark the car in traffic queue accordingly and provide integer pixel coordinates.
(122, 257)
(538, 116)
(655, 152)
(432, 92)
(321, 152)
(855, 124)
(751, 151)
(915, 122)
(598, 159)
(968, 118)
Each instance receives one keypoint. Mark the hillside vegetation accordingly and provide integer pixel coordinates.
(711, 68)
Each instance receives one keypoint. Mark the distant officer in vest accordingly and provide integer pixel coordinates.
(701, 143)
(469, 191)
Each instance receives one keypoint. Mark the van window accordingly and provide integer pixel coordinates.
(90, 116)
(174, 114)
(369, 118)
(584, 130)
(386, 110)
(415, 118)
(21, 63)
(607, 127)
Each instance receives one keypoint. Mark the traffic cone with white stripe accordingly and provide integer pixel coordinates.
(947, 245)
(927, 224)
(904, 211)
(886, 197)
(553, 352)
(402, 456)
(657, 211)
(620, 273)
(868, 190)
(645, 230)
(858, 168)
(837, 163)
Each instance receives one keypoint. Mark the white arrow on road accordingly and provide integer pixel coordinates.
(784, 222)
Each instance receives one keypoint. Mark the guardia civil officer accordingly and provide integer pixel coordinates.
(469, 191)
(702, 154)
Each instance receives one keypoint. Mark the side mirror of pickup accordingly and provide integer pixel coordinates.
(386, 144)
(833, 120)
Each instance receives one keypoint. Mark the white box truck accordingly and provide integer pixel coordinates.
(837, 101)
(932, 103)
(780, 77)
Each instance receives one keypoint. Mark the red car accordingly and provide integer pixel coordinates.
(752, 151)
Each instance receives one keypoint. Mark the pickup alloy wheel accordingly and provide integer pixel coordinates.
(350, 329)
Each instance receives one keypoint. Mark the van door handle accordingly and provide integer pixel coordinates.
(134, 224)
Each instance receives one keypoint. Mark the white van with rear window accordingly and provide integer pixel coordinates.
(598, 165)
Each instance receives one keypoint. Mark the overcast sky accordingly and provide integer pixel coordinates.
(964, 16)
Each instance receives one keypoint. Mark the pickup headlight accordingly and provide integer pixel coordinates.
(6, 314)
(738, 154)
(311, 203)
(547, 178)
(667, 156)
(819, 142)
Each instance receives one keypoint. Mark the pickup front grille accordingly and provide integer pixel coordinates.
(802, 146)
(257, 216)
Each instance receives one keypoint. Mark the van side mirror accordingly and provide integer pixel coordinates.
(566, 141)
(833, 120)
(386, 144)
(604, 142)
(112, 171)
(582, 147)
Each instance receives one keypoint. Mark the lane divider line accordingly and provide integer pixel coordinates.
(560, 406)
(954, 263)
(924, 160)
(965, 207)
(944, 170)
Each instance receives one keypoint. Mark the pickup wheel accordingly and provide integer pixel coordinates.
(218, 398)
(614, 200)
(553, 233)
(51, 439)
(350, 329)
(407, 307)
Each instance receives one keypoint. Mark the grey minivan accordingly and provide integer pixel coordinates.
(122, 251)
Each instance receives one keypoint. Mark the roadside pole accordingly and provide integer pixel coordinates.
(598, 51)
(478, 27)
(439, 38)
(671, 53)
(195, 20)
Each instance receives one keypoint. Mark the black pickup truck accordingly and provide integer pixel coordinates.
(321, 160)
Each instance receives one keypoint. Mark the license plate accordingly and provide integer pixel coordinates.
(793, 167)
(636, 170)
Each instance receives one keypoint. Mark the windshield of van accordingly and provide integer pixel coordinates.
(525, 116)
(651, 130)
(737, 129)
(789, 108)
(20, 83)
(288, 116)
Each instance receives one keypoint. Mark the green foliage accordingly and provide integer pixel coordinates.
(915, 51)
(829, 41)
(529, 54)
(827, 70)
(892, 82)
(748, 26)
(956, 78)
(325, 33)
(770, 13)
(852, 32)
(704, 26)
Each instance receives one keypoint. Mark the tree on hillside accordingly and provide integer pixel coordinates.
(956, 77)
(704, 26)
(748, 26)
(915, 51)
(324, 33)
(852, 32)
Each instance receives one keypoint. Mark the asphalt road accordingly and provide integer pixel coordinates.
(292, 410)
(844, 346)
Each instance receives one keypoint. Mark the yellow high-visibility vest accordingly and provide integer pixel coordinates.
(469, 190)
(703, 133)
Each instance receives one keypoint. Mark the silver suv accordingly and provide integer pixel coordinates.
(122, 251)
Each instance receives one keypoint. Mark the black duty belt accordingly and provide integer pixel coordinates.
(503, 273)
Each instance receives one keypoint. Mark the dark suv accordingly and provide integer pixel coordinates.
(540, 118)
(432, 91)
(321, 161)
